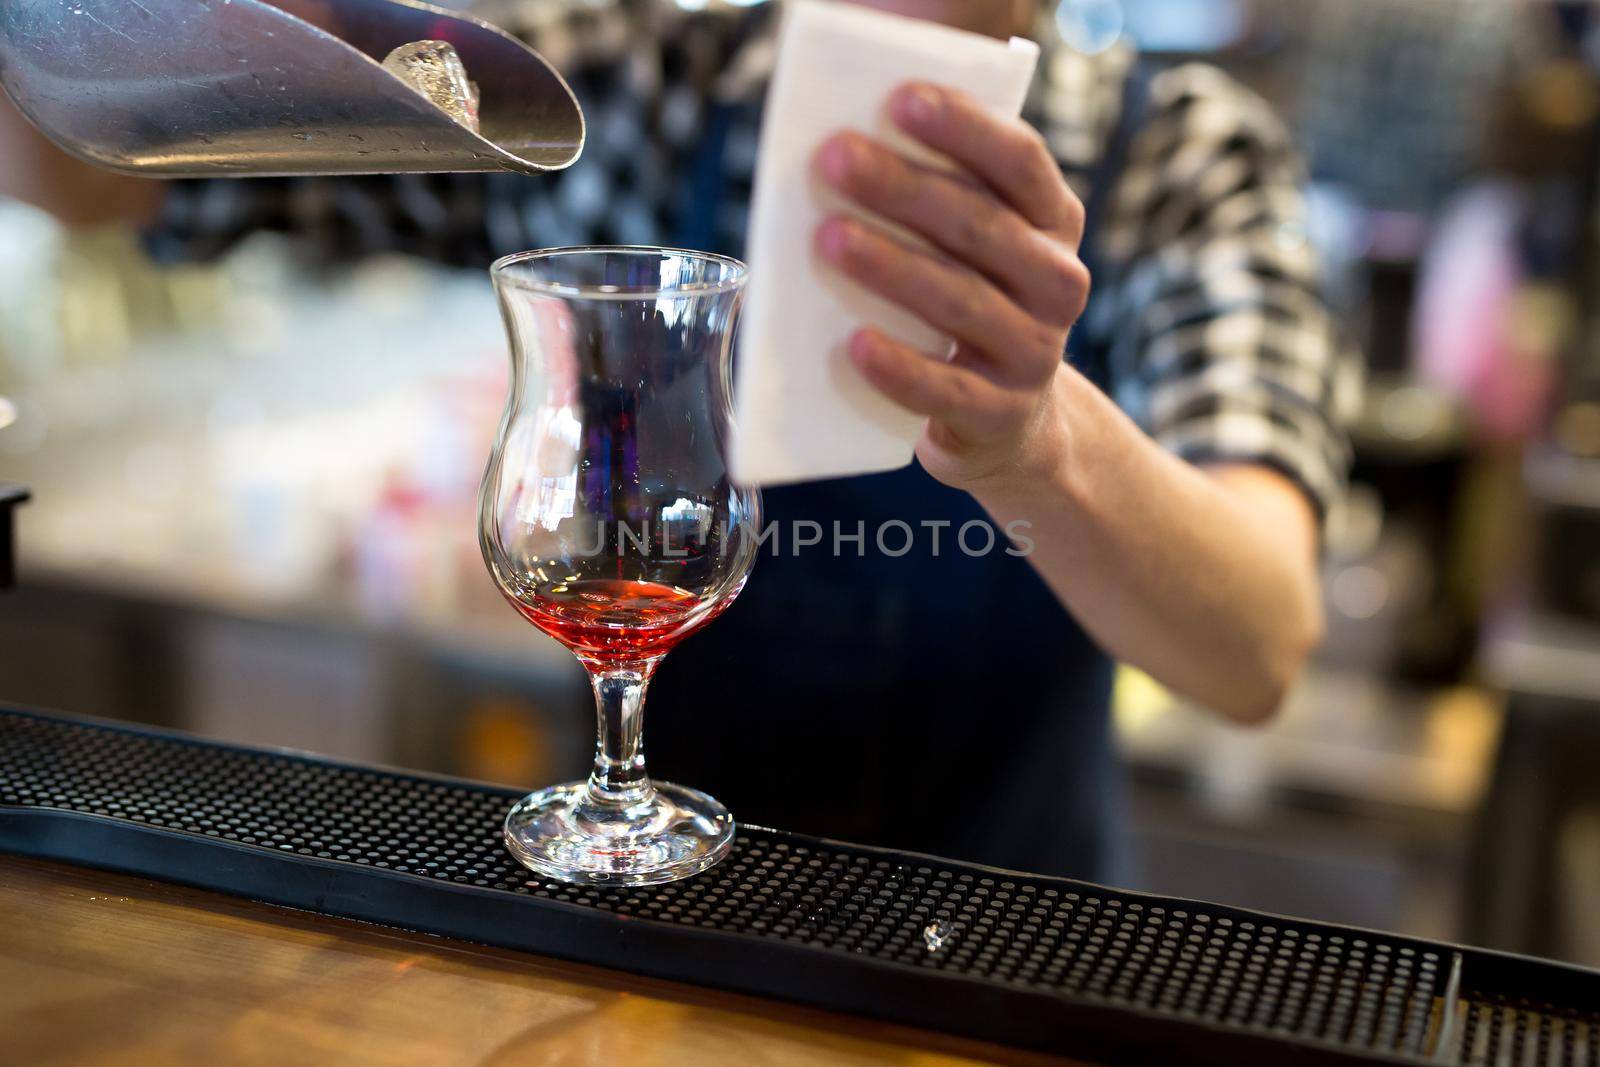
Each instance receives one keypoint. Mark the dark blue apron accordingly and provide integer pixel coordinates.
(938, 702)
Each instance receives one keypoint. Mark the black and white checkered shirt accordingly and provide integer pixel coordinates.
(1206, 309)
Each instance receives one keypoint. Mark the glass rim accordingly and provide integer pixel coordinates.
(500, 271)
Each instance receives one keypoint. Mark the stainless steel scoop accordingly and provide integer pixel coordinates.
(208, 88)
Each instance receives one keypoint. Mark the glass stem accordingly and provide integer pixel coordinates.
(619, 779)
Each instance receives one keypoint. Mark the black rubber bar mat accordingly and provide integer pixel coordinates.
(1043, 963)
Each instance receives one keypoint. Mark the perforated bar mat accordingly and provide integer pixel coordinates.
(1044, 963)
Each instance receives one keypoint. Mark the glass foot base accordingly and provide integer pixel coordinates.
(676, 833)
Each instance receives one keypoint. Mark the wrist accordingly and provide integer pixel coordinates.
(1043, 456)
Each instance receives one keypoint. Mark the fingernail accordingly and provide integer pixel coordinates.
(834, 237)
(837, 158)
(863, 346)
(919, 104)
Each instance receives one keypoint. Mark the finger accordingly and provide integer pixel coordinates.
(966, 221)
(952, 299)
(1007, 154)
(966, 402)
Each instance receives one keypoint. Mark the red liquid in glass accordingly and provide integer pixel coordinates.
(614, 620)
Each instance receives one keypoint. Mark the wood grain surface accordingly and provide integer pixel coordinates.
(107, 970)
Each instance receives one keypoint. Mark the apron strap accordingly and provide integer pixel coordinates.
(707, 180)
(1088, 354)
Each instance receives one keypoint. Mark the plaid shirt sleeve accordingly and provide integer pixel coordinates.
(641, 70)
(1208, 299)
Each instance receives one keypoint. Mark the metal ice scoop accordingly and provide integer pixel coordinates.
(208, 88)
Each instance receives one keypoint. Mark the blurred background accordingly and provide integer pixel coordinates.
(254, 486)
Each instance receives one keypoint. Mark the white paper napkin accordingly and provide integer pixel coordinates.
(802, 410)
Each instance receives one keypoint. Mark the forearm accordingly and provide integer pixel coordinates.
(1201, 579)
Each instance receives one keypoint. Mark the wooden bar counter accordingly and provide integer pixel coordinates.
(105, 970)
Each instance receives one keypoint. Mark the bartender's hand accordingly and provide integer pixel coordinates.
(1004, 279)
